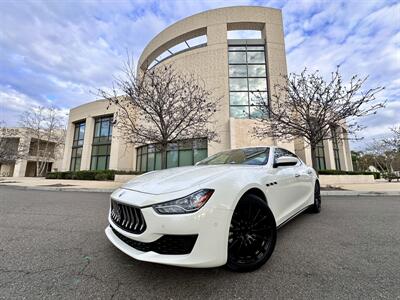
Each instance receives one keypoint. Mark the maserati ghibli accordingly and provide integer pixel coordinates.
(225, 210)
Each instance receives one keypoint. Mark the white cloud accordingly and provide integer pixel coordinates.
(13, 100)
(363, 37)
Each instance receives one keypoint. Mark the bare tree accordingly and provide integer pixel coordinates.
(393, 141)
(45, 128)
(162, 105)
(10, 147)
(384, 155)
(308, 107)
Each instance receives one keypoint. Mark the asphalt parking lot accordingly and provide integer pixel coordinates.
(53, 245)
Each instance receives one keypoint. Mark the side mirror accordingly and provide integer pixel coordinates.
(285, 161)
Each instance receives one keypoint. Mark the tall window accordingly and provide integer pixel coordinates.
(335, 147)
(101, 143)
(77, 146)
(321, 156)
(182, 153)
(247, 80)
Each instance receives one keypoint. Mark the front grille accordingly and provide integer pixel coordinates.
(167, 244)
(127, 217)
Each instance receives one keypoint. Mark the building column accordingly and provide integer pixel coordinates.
(20, 168)
(275, 53)
(87, 143)
(20, 164)
(329, 155)
(68, 147)
(121, 154)
(347, 152)
(303, 151)
(342, 155)
(217, 42)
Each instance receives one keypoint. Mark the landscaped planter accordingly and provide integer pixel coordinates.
(345, 179)
(123, 178)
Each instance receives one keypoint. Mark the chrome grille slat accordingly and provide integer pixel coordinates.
(132, 219)
(127, 217)
(138, 220)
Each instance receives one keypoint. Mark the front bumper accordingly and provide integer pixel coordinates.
(210, 224)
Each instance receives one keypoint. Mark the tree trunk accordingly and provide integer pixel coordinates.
(314, 157)
(163, 152)
(37, 159)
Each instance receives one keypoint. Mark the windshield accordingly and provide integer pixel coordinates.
(246, 156)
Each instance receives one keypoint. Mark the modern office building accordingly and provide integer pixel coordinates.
(19, 152)
(231, 68)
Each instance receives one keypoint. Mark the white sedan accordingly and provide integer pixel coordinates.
(224, 210)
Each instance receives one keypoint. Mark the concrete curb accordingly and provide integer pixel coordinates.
(96, 190)
(360, 193)
(59, 189)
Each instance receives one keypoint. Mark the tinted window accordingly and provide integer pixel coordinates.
(181, 153)
(246, 156)
(282, 152)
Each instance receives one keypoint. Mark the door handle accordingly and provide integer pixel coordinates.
(296, 175)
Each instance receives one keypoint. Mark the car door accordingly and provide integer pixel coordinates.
(306, 178)
(285, 191)
(303, 178)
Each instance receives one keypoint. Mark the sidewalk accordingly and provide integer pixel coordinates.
(363, 189)
(40, 183)
(377, 188)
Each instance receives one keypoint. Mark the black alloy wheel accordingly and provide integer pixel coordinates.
(316, 206)
(252, 235)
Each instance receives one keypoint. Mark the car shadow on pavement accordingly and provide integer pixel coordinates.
(180, 282)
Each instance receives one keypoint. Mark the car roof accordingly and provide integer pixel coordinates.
(250, 147)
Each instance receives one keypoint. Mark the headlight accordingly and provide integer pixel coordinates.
(185, 205)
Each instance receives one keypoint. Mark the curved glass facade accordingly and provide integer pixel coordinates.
(179, 154)
(247, 79)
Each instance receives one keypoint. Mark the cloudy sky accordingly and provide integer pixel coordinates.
(59, 52)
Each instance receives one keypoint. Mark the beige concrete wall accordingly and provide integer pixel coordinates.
(348, 179)
(237, 17)
(123, 178)
(87, 113)
(240, 134)
(7, 169)
(121, 156)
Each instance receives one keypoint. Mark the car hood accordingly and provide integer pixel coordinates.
(176, 179)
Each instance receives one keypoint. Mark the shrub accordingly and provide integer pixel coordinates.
(64, 175)
(89, 175)
(52, 175)
(391, 176)
(101, 176)
(85, 175)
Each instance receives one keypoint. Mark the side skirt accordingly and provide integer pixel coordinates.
(292, 217)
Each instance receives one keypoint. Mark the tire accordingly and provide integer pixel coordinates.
(252, 235)
(315, 208)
